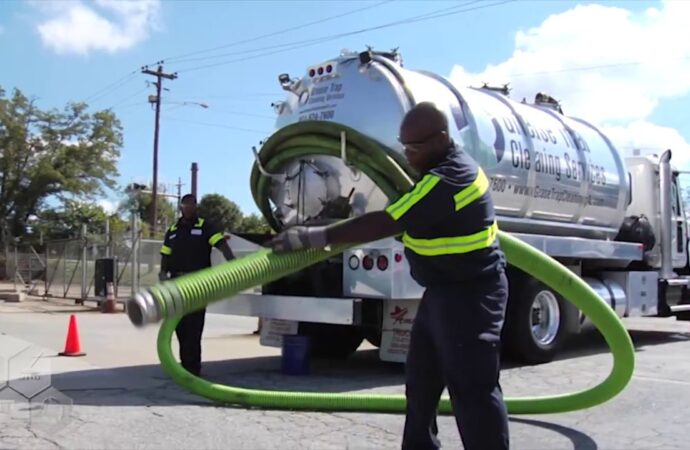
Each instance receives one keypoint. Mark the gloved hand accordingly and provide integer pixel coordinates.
(299, 237)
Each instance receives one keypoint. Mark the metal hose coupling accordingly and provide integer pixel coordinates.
(143, 309)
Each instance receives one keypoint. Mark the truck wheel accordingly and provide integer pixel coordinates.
(331, 341)
(535, 323)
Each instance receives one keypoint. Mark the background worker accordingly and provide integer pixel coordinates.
(187, 248)
(449, 231)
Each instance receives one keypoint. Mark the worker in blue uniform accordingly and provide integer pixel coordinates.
(186, 248)
(449, 231)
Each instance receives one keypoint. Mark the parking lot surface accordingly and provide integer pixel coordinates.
(117, 396)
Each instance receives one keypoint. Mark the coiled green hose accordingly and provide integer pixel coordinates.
(172, 299)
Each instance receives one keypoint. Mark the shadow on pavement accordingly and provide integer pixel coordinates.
(579, 439)
(149, 385)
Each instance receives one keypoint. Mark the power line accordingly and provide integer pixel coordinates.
(436, 13)
(128, 97)
(181, 58)
(217, 125)
(593, 67)
(445, 12)
(112, 86)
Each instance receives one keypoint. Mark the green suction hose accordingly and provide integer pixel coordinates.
(170, 300)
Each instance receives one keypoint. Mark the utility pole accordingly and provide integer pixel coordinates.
(179, 190)
(159, 74)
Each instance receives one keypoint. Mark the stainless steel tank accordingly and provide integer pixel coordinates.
(549, 173)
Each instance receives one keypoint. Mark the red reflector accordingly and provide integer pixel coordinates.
(382, 262)
(367, 262)
(398, 257)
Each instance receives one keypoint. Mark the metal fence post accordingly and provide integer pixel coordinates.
(135, 253)
(108, 240)
(47, 272)
(16, 265)
(84, 256)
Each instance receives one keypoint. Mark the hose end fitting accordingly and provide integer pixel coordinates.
(143, 309)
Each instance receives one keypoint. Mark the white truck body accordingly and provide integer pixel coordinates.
(558, 183)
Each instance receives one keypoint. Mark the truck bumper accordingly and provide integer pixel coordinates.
(342, 311)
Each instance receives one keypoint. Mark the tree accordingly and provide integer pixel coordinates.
(69, 154)
(66, 222)
(220, 211)
(142, 203)
(254, 224)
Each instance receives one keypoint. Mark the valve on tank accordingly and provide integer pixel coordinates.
(543, 99)
(505, 90)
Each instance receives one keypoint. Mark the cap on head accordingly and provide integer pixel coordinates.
(188, 198)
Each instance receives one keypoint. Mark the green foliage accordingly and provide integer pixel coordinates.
(254, 224)
(142, 203)
(68, 154)
(65, 223)
(220, 211)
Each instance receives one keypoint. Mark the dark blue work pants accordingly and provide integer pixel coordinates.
(455, 343)
(189, 332)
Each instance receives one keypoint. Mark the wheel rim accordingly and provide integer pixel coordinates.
(545, 318)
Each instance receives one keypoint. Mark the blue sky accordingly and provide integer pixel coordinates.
(59, 51)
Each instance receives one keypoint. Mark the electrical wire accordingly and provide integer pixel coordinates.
(216, 125)
(112, 87)
(280, 48)
(593, 67)
(182, 58)
(128, 97)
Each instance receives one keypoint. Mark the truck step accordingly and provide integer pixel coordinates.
(679, 308)
(680, 281)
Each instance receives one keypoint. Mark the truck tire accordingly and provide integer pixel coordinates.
(330, 341)
(535, 326)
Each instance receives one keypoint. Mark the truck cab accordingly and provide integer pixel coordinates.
(644, 200)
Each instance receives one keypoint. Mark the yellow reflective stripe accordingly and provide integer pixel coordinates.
(165, 250)
(173, 227)
(472, 192)
(213, 240)
(452, 245)
(199, 223)
(407, 201)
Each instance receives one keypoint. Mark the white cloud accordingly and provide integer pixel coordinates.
(107, 205)
(605, 64)
(649, 138)
(105, 25)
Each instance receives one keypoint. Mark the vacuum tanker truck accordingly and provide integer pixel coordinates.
(558, 183)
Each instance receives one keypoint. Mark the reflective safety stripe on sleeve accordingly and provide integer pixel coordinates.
(472, 192)
(165, 250)
(452, 245)
(407, 201)
(213, 240)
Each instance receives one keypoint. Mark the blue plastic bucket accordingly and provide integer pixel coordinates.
(295, 355)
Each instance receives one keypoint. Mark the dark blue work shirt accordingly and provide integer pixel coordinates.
(449, 223)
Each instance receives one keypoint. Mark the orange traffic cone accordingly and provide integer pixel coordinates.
(72, 345)
(109, 304)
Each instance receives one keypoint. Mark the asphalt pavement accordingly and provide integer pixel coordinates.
(117, 396)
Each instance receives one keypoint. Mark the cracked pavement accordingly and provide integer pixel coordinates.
(117, 396)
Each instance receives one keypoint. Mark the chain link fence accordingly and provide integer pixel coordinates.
(79, 268)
